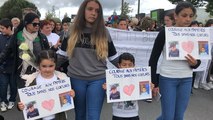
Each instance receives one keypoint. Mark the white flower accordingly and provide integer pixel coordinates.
(25, 57)
(24, 46)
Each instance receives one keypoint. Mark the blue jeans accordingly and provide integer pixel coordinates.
(89, 98)
(5, 80)
(175, 94)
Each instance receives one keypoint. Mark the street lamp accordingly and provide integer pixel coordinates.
(138, 6)
(122, 5)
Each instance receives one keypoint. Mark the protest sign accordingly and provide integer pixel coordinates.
(138, 43)
(181, 41)
(128, 84)
(46, 99)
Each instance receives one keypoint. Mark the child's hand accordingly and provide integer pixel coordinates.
(104, 86)
(72, 93)
(155, 91)
(152, 86)
(21, 106)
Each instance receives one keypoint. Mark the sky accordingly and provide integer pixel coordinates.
(71, 6)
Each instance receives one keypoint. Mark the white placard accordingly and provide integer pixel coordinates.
(181, 41)
(128, 84)
(138, 43)
(46, 99)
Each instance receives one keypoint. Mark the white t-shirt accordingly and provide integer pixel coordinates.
(40, 80)
(53, 38)
(125, 109)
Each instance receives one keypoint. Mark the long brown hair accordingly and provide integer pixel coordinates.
(99, 35)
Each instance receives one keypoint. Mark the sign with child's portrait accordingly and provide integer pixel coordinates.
(46, 99)
(181, 41)
(128, 84)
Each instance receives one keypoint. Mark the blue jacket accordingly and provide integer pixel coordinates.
(8, 65)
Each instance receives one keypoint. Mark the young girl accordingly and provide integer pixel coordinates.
(89, 46)
(47, 74)
(175, 75)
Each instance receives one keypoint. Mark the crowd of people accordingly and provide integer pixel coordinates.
(80, 50)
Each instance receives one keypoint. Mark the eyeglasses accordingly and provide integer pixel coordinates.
(35, 24)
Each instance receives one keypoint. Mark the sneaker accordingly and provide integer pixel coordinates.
(205, 86)
(195, 86)
(10, 105)
(148, 100)
(3, 106)
(211, 78)
(210, 85)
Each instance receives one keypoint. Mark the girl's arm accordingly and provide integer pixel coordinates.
(155, 54)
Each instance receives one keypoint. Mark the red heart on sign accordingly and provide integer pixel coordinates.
(188, 46)
(128, 89)
(48, 104)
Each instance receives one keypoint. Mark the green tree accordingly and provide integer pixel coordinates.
(66, 15)
(209, 7)
(125, 10)
(14, 8)
(199, 3)
(49, 15)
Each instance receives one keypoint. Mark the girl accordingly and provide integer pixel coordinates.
(47, 74)
(88, 47)
(175, 76)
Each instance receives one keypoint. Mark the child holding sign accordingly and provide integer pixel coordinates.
(128, 109)
(47, 74)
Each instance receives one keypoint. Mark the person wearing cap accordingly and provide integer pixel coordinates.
(32, 111)
(27, 39)
(114, 93)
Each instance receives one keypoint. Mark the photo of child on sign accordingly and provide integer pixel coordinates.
(173, 49)
(65, 100)
(31, 110)
(144, 89)
(203, 48)
(114, 92)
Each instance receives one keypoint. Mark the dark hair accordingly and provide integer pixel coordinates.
(46, 54)
(182, 5)
(122, 19)
(146, 23)
(170, 14)
(66, 20)
(126, 56)
(6, 23)
(29, 17)
(209, 22)
(194, 23)
(1, 117)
